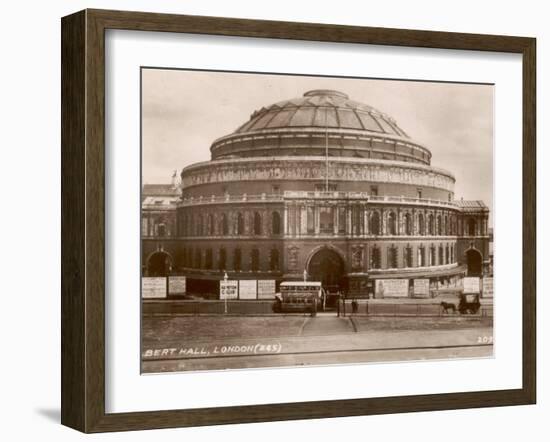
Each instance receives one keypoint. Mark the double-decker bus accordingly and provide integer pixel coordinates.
(300, 296)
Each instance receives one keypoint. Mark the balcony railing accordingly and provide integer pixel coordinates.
(409, 200)
(313, 195)
(202, 200)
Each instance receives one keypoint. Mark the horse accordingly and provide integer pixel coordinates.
(446, 306)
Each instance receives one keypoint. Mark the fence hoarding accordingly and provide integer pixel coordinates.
(229, 289)
(487, 287)
(471, 284)
(266, 289)
(392, 288)
(421, 287)
(247, 288)
(153, 287)
(177, 285)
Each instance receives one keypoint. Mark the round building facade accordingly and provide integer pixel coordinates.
(321, 187)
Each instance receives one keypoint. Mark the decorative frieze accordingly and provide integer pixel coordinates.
(293, 169)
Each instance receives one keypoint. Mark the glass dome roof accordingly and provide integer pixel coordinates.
(321, 122)
(321, 108)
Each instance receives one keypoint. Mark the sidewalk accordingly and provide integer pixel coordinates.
(369, 340)
(326, 325)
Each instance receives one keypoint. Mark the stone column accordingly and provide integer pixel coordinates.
(365, 220)
(298, 220)
(292, 220)
(399, 221)
(335, 219)
(303, 220)
(316, 219)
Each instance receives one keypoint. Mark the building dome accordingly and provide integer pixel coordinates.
(306, 125)
(322, 108)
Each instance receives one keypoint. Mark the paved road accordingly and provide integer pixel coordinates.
(326, 325)
(315, 347)
(316, 358)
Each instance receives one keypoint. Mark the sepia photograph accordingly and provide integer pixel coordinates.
(293, 220)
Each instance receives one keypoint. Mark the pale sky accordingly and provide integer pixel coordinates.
(185, 111)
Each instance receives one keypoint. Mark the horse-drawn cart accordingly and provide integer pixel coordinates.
(469, 303)
(464, 303)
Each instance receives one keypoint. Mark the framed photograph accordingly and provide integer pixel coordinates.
(267, 221)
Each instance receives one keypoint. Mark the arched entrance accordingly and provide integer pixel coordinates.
(474, 261)
(159, 264)
(328, 267)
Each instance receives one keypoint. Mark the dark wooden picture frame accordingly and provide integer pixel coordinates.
(83, 220)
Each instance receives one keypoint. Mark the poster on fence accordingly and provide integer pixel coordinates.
(471, 284)
(488, 287)
(421, 288)
(229, 289)
(247, 289)
(392, 288)
(266, 289)
(177, 285)
(153, 287)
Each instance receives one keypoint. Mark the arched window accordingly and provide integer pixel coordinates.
(210, 224)
(224, 227)
(200, 226)
(432, 256)
(274, 260)
(356, 220)
(446, 225)
(472, 227)
(375, 224)
(257, 223)
(161, 229)
(276, 223)
(408, 224)
(421, 256)
(431, 224)
(310, 219)
(441, 262)
(421, 226)
(326, 220)
(237, 258)
(341, 219)
(240, 224)
(159, 264)
(222, 259)
(254, 260)
(439, 226)
(447, 257)
(375, 258)
(208, 259)
(408, 256)
(392, 229)
(392, 257)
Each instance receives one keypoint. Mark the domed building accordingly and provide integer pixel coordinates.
(326, 188)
